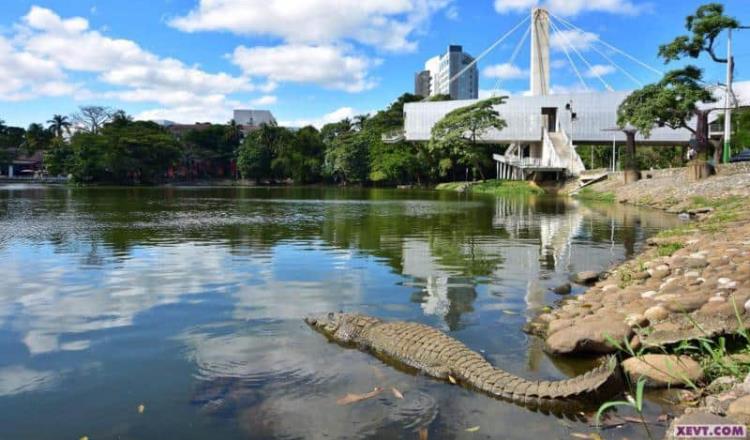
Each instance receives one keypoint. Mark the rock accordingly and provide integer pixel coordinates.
(739, 410)
(687, 303)
(558, 325)
(563, 289)
(662, 370)
(692, 419)
(610, 288)
(589, 337)
(586, 277)
(656, 313)
(636, 320)
(649, 294)
(695, 262)
(659, 272)
(721, 384)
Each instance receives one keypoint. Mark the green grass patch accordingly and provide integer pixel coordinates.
(596, 196)
(494, 187)
(667, 249)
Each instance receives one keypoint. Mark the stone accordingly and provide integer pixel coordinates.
(558, 325)
(663, 370)
(656, 313)
(696, 262)
(687, 303)
(563, 289)
(586, 277)
(721, 384)
(636, 320)
(610, 288)
(659, 272)
(692, 419)
(649, 294)
(739, 410)
(589, 336)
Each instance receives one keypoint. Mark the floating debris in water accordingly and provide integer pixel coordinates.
(472, 429)
(397, 393)
(354, 398)
(141, 408)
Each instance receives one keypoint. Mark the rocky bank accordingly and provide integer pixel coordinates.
(691, 282)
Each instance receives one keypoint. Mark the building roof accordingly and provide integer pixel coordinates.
(253, 118)
(596, 117)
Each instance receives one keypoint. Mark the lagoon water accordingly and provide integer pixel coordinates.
(189, 302)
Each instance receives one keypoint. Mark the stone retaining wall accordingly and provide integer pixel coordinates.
(727, 169)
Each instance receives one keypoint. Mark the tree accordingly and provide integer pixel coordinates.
(59, 125)
(299, 156)
(57, 158)
(255, 155)
(347, 157)
(92, 118)
(672, 102)
(460, 131)
(233, 133)
(706, 25)
(36, 138)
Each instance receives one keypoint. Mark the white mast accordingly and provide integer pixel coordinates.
(539, 51)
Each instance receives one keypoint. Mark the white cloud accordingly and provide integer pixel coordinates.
(505, 71)
(600, 70)
(47, 49)
(265, 100)
(334, 116)
(573, 7)
(327, 66)
(452, 13)
(558, 89)
(571, 38)
(385, 24)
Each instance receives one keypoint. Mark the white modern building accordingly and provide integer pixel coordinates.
(542, 129)
(438, 71)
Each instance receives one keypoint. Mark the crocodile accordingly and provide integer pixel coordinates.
(431, 352)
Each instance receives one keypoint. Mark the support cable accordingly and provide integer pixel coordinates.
(610, 60)
(577, 52)
(570, 59)
(488, 50)
(513, 56)
(621, 52)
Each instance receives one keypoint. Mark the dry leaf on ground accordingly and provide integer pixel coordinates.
(452, 379)
(354, 398)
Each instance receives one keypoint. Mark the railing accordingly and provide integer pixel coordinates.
(549, 153)
(394, 136)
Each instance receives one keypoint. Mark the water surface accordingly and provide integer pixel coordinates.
(189, 301)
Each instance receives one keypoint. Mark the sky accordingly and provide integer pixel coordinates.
(315, 61)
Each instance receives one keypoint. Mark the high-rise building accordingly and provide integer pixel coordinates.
(422, 82)
(442, 68)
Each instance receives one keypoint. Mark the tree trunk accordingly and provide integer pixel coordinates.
(699, 168)
(632, 172)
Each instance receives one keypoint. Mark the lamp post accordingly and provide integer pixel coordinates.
(573, 118)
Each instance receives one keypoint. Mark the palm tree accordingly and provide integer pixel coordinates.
(36, 138)
(59, 124)
(360, 121)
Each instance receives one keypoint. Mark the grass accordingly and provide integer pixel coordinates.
(596, 196)
(493, 187)
(667, 249)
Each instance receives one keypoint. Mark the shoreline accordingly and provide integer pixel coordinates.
(692, 283)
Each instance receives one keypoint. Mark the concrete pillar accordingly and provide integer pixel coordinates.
(10, 170)
(539, 52)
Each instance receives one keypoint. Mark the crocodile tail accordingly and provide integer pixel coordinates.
(594, 383)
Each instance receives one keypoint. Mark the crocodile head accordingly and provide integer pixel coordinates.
(336, 326)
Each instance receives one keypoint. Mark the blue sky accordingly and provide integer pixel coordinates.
(308, 61)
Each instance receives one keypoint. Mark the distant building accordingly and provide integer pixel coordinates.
(422, 82)
(253, 118)
(440, 69)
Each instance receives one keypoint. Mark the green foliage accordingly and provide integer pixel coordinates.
(57, 159)
(36, 138)
(59, 125)
(299, 156)
(667, 249)
(457, 135)
(212, 145)
(347, 157)
(705, 26)
(595, 196)
(672, 102)
(255, 155)
(494, 187)
(126, 152)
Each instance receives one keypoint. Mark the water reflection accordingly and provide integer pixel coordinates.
(192, 299)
